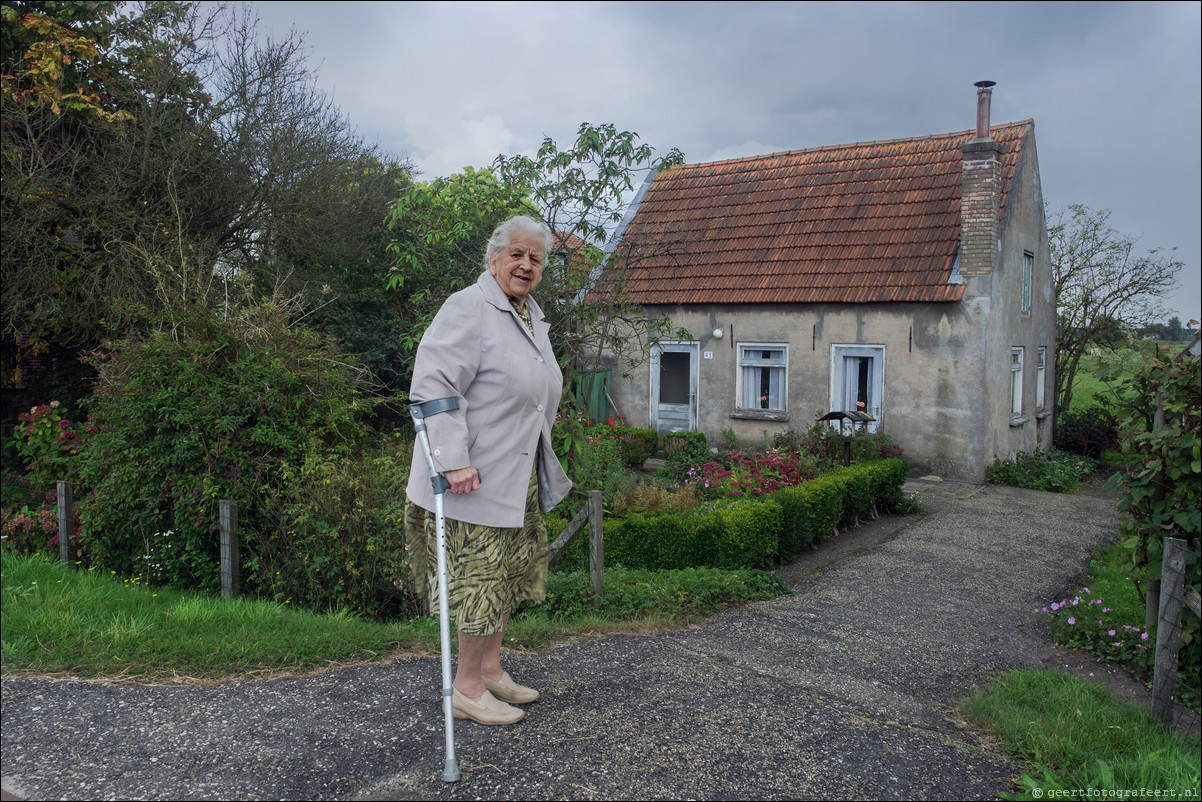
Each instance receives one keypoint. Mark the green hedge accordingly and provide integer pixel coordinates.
(752, 533)
(637, 446)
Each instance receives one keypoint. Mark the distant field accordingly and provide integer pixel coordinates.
(1088, 390)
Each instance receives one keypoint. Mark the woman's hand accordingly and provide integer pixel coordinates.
(463, 480)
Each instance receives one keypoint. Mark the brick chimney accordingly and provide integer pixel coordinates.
(981, 194)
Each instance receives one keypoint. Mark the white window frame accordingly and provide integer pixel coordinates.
(747, 363)
(1016, 382)
(840, 391)
(1028, 270)
(1041, 377)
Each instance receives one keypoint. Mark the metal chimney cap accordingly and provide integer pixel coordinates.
(985, 84)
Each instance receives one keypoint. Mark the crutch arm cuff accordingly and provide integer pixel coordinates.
(426, 409)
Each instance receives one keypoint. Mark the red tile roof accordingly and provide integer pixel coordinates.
(868, 222)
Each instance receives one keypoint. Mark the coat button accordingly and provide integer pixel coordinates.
(540, 407)
(540, 359)
(438, 452)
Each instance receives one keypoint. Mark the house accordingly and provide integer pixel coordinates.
(908, 278)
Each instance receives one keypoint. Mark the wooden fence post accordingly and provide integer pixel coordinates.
(230, 585)
(596, 546)
(1168, 630)
(66, 521)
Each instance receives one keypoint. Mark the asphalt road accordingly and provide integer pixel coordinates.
(845, 690)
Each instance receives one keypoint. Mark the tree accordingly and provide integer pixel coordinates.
(1099, 279)
(582, 193)
(438, 233)
(157, 156)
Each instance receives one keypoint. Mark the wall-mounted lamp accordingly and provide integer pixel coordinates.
(717, 334)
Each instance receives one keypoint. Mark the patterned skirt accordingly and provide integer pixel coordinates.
(490, 570)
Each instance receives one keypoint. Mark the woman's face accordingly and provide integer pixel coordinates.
(519, 267)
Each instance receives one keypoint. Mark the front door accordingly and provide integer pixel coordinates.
(674, 387)
(858, 380)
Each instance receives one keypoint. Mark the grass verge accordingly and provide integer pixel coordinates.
(1082, 743)
(55, 620)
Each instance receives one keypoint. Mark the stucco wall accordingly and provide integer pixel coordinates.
(933, 372)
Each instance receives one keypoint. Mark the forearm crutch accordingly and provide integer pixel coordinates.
(420, 412)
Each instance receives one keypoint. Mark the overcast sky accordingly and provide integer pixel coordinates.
(1113, 87)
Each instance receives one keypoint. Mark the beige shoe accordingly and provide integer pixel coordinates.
(507, 690)
(489, 710)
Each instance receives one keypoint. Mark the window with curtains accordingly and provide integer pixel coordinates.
(763, 368)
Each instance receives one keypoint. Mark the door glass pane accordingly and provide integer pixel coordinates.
(673, 378)
(864, 389)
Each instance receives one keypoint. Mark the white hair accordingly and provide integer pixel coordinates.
(503, 234)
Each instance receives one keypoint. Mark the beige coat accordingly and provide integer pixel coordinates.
(508, 383)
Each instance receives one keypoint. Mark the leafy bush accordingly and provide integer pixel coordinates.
(214, 410)
(683, 451)
(47, 443)
(33, 529)
(329, 538)
(1089, 433)
(825, 444)
(1163, 474)
(1055, 471)
(638, 445)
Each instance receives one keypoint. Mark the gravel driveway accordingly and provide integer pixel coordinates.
(845, 690)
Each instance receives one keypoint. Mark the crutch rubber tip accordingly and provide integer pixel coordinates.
(450, 772)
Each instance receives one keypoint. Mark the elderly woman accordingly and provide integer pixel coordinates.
(488, 347)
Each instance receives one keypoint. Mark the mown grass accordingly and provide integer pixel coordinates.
(1082, 743)
(55, 620)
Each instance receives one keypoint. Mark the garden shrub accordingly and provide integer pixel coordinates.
(814, 510)
(1055, 471)
(638, 445)
(740, 536)
(747, 533)
(330, 539)
(749, 537)
(31, 527)
(1089, 433)
(810, 512)
(654, 499)
(214, 410)
(47, 443)
(1162, 474)
(683, 451)
(734, 475)
(824, 443)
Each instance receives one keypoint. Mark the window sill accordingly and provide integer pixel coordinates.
(761, 414)
(1042, 415)
(1019, 421)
